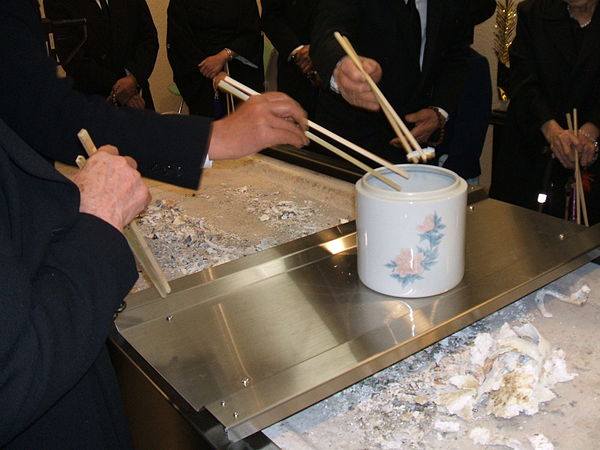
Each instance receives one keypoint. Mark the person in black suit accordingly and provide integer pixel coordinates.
(554, 67)
(287, 23)
(64, 272)
(120, 51)
(205, 38)
(465, 133)
(65, 269)
(416, 53)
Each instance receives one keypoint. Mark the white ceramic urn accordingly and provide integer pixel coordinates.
(411, 243)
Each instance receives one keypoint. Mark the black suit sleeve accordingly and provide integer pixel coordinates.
(47, 113)
(277, 29)
(332, 15)
(248, 38)
(90, 76)
(146, 43)
(54, 320)
(527, 97)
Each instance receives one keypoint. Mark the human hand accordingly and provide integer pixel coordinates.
(111, 188)
(302, 59)
(562, 143)
(263, 120)
(124, 89)
(352, 84)
(211, 66)
(426, 122)
(136, 101)
(588, 139)
(217, 79)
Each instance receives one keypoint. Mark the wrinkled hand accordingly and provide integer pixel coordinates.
(302, 59)
(136, 101)
(111, 188)
(211, 66)
(562, 143)
(124, 89)
(588, 135)
(426, 122)
(352, 84)
(263, 120)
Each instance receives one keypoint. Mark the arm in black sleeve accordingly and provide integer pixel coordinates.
(248, 39)
(331, 16)
(146, 44)
(90, 76)
(47, 113)
(183, 52)
(277, 29)
(55, 317)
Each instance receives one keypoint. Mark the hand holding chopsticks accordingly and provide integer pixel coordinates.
(578, 192)
(134, 236)
(407, 140)
(243, 92)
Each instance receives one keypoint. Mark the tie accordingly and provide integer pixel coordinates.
(105, 10)
(414, 32)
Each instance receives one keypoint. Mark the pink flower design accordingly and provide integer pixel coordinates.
(427, 224)
(408, 262)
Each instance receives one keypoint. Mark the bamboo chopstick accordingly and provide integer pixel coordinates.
(132, 233)
(393, 118)
(237, 89)
(580, 202)
(243, 92)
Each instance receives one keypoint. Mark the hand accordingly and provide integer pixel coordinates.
(562, 143)
(352, 84)
(111, 188)
(217, 78)
(263, 120)
(211, 66)
(588, 136)
(124, 89)
(136, 102)
(426, 122)
(302, 59)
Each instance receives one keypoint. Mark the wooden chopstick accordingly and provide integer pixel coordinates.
(135, 238)
(243, 93)
(237, 89)
(393, 118)
(580, 202)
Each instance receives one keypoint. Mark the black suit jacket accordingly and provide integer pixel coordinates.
(197, 29)
(47, 113)
(288, 23)
(62, 276)
(128, 41)
(548, 78)
(373, 28)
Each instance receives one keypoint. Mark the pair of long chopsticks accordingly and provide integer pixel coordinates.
(243, 92)
(404, 135)
(132, 233)
(579, 194)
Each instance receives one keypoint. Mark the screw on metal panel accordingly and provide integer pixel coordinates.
(471, 208)
(245, 382)
(223, 404)
(169, 318)
(561, 236)
(235, 415)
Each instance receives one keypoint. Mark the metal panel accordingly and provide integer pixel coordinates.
(260, 338)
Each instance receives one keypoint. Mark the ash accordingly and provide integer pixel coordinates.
(184, 244)
(396, 408)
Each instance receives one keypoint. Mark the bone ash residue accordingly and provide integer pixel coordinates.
(184, 244)
(457, 393)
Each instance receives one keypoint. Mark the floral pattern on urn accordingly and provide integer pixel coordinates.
(410, 264)
(411, 243)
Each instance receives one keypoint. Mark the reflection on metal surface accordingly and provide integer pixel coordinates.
(267, 335)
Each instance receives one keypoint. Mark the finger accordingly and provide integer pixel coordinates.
(109, 149)
(130, 161)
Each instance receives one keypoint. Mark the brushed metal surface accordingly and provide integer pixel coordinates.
(257, 339)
